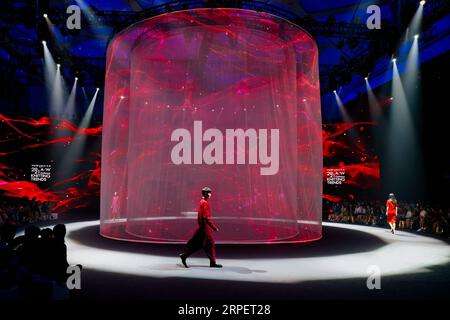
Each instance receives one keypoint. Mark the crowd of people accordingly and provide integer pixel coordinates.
(21, 211)
(411, 216)
(33, 264)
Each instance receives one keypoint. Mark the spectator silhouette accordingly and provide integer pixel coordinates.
(29, 251)
(59, 253)
(7, 274)
(7, 234)
(46, 252)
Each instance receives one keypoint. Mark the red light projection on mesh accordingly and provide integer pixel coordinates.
(228, 69)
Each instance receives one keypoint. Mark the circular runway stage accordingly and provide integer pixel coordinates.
(335, 267)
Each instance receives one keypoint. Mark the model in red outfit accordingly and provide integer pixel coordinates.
(391, 211)
(203, 236)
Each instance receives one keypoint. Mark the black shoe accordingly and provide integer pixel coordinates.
(392, 231)
(215, 265)
(183, 260)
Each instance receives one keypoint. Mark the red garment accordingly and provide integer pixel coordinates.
(391, 211)
(204, 216)
(203, 237)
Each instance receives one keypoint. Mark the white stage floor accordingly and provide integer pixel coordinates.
(402, 253)
(336, 266)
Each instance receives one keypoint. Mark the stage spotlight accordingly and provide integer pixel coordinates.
(374, 106)
(58, 93)
(422, 2)
(415, 26)
(122, 97)
(394, 60)
(78, 145)
(345, 116)
(54, 83)
(401, 127)
(411, 79)
(88, 114)
(50, 72)
(69, 111)
(90, 12)
(54, 32)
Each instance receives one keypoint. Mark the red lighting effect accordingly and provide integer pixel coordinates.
(352, 154)
(229, 69)
(25, 140)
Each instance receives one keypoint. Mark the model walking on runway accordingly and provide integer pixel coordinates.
(203, 236)
(115, 206)
(391, 211)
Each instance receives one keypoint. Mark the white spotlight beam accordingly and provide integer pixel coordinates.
(400, 113)
(77, 145)
(374, 107)
(54, 82)
(58, 94)
(50, 66)
(70, 106)
(415, 25)
(90, 110)
(89, 13)
(412, 67)
(402, 137)
(56, 35)
(341, 107)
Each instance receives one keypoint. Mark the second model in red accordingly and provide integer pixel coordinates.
(203, 236)
(391, 211)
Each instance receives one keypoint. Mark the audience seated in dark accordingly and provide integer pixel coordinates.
(33, 264)
(411, 216)
(20, 211)
(59, 254)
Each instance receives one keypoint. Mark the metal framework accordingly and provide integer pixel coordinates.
(350, 32)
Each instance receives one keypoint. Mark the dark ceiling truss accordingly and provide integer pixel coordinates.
(378, 43)
(383, 45)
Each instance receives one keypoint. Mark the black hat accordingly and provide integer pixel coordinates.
(206, 190)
